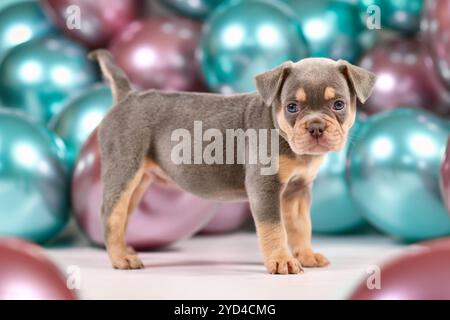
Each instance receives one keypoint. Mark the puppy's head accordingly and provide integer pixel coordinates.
(314, 101)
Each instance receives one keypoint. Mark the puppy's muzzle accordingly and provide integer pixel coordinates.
(316, 128)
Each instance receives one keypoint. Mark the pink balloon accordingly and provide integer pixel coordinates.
(163, 216)
(445, 177)
(420, 273)
(436, 27)
(229, 217)
(26, 273)
(99, 20)
(159, 53)
(406, 77)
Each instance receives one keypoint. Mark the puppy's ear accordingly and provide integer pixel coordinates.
(360, 80)
(269, 83)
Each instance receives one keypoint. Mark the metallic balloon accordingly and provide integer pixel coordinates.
(229, 217)
(420, 273)
(80, 117)
(333, 209)
(198, 9)
(34, 184)
(163, 216)
(405, 77)
(7, 3)
(243, 39)
(436, 27)
(445, 177)
(326, 32)
(159, 53)
(21, 22)
(394, 173)
(98, 21)
(400, 15)
(38, 76)
(26, 273)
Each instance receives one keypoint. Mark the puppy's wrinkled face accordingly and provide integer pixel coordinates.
(314, 103)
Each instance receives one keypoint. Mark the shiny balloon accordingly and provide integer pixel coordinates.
(34, 184)
(324, 30)
(163, 216)
(99, 21)
(80, 117)
(243, 39)
(420, 273)
(436, 27)
(394, 173)
(7, 3)
(333, 209)
(400, 15)
(159, 53)
(228, 217)
(38, 76)
(26, 273)
(198, 9)
(445, 177)
(405, 77)
(22, 22)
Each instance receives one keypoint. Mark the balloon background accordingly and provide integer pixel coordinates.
(394, 172)
(33, 179)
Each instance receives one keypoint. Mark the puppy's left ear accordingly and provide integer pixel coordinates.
(269, 83)
(361, 80)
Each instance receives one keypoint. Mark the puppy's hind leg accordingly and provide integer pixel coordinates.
(123, 168)
(142, 186)
(115, 214)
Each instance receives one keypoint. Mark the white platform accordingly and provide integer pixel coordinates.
(226, 267)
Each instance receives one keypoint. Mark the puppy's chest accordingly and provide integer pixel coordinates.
(298, 167)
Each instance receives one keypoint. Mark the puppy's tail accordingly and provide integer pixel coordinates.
(120, 85)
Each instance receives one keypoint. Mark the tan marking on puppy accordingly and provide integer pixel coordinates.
(139, 192)
(272, 240)
(303, 166)
(329, 93)
(158, 175)
(300, 95)
(116, 227)
(296, 217)
(348, 123)
(298, 174)
(284, 125)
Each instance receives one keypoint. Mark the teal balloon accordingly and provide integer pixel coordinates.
(394, 173)
(34, 184)
(400, 15)
(22, 22)
(333, 209)
(7, 3)
(332, 28)
(197, 9)
(80, 117)
(38, 76)
(243, 39)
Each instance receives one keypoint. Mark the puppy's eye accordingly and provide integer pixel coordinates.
(292, 107)
(338, 105)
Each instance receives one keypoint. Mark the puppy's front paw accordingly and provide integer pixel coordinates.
(128, 261)
(311, 259)
(283, 264)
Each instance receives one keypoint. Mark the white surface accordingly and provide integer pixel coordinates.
(226, 267)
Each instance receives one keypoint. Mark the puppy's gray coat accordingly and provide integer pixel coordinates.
(303, 100)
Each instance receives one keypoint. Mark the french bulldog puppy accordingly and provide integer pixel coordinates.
(310, 104)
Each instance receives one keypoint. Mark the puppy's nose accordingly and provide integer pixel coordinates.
(316, 129)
